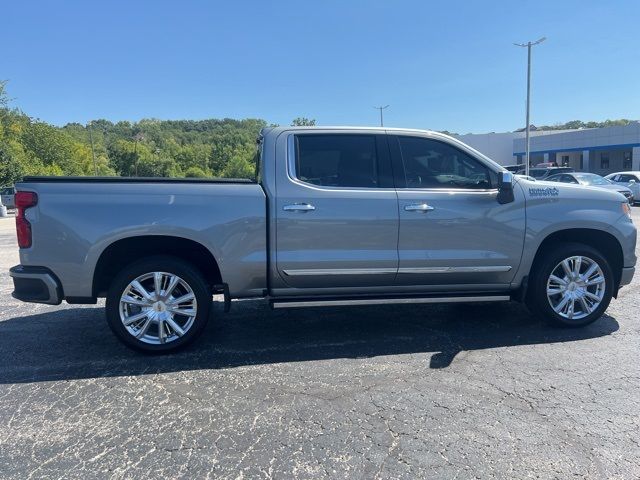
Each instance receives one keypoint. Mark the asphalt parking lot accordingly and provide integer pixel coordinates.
(470, 391)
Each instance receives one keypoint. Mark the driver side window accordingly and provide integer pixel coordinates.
(625, 178)
(433, 164)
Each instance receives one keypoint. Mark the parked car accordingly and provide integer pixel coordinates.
(592, 180)
(547, 165)
(631, 180)
(7, 196)
(526, 177)
(543, 173)
(515, 168)
(336, 216)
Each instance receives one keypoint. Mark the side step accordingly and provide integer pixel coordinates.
(337, 302)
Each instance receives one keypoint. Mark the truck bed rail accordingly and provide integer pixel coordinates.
(36, 179)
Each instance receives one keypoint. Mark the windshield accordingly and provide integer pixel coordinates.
(591, 179)
(537, 172)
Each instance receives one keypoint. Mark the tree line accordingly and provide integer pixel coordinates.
(148, 148)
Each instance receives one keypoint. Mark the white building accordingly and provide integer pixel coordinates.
(597, 150)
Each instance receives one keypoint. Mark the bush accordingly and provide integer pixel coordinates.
(195, 172)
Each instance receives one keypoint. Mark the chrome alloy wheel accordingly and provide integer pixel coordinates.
(158, 307)
(576, 287)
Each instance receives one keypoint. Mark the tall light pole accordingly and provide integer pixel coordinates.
(528, 45)
(381, 109)
(93, 152)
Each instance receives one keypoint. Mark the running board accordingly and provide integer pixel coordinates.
(383, 301)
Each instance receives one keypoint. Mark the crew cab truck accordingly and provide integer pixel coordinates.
(336, 216)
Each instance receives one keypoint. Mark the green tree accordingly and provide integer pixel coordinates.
(195, 172)
(303, 122)
(11, 170)
(4, 97)
(239, 167)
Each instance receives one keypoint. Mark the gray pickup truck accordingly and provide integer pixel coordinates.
(336, 216)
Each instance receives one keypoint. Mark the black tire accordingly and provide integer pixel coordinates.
(172, 265)
(537, 300)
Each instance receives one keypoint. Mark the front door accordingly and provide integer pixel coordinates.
(453, 232)
(337, 212)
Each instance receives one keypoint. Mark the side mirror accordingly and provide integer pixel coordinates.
(632, 182)
(505, 188)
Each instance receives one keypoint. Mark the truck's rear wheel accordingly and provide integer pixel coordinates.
(571, 286)
(158, 304)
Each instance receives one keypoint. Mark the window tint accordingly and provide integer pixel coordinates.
(537, 172)
(625, 178)
(433, 164)
(337, 160)
(568, 179)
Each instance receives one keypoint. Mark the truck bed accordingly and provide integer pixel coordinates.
(77, 218)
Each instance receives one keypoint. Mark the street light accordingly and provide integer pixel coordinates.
(528, 45)
(381, 109)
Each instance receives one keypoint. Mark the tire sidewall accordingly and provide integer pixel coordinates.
(539, 302)
(153, 264)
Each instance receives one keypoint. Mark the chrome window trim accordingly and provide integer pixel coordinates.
(291, 167)
(464, 148)
(291, 170)
(447, 190)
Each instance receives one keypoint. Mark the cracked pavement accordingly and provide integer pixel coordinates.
(436, 391)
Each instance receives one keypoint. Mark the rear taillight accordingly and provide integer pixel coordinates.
(24, 200)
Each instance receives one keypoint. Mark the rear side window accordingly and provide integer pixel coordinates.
(433, 164)
(625, 178)
(337, 160)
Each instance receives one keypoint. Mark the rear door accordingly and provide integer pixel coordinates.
(337, 212)
(453, 232)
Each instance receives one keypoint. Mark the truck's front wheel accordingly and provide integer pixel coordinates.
(158, 304)
(571, 286)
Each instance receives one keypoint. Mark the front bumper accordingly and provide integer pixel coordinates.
(627, 275)
(35, 284)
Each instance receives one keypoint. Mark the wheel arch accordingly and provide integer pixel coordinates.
(606, 243)
(126, 250)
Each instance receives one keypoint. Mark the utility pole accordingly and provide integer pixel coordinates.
(381, 109)
(93, 151)
(528, 45)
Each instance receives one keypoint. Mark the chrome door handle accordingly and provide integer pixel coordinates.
(419, 207)
(299, 207)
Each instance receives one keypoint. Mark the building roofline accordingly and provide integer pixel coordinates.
(581, 149)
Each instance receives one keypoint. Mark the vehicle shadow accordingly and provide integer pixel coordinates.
(76, 343)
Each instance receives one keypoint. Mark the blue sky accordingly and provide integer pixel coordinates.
(439, 64)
